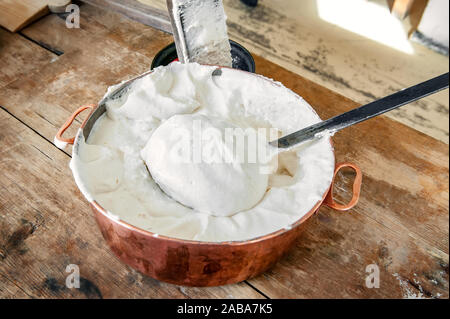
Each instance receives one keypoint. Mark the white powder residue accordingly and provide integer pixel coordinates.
(325, 133)
(59, 144)
(408, 291)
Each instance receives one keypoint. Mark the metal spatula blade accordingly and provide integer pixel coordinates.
(363, 113)
(200, 31)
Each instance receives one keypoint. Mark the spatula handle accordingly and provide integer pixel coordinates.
(366, 112)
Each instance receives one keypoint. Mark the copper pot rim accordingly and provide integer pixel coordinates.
(148, 233)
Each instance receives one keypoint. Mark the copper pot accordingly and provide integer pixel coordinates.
(195, 263)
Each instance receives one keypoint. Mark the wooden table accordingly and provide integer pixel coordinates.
(400, 224)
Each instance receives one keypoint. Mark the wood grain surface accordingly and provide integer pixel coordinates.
(400, 224)
(15, 51)
(14, 15)
(151, 16)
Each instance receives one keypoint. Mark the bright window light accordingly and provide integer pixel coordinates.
(367, 19)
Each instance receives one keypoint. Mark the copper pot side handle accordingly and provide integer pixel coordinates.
(61, 142)
(329, 201)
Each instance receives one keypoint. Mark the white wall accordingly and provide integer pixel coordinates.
(435, 23)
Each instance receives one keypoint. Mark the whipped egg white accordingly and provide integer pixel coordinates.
(114, 165)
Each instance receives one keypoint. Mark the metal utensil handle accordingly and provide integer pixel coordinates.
(367, 111)
(178, 31)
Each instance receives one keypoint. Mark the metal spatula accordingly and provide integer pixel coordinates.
(363, 113)
(200, 31)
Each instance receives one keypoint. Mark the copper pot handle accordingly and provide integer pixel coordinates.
(329, 201)
(60, 141)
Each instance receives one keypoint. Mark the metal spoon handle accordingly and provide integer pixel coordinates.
(365, 112)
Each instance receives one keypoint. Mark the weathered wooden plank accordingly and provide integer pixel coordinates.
(45, 225)
(104, 26)
(401, 222)
(330, 260)
(19, 56)
(135, 10)
(131, 34)
(411, 167)
(8, 289)
(94, 58)
(17, 14)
